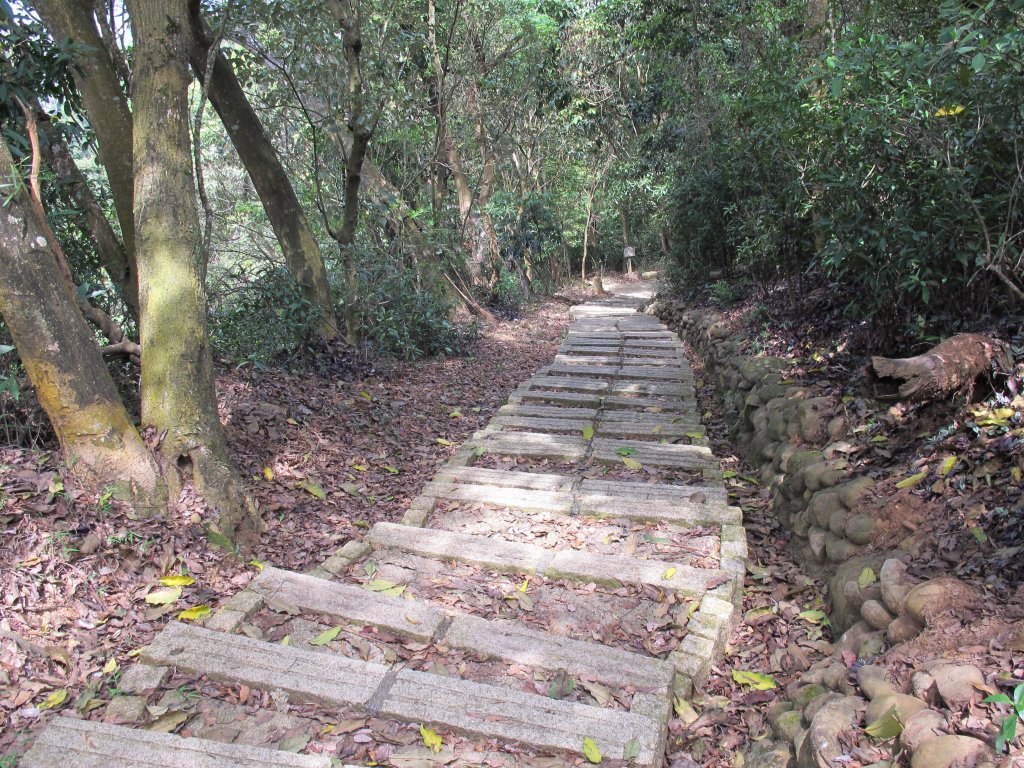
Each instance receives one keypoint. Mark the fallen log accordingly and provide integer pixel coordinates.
(946, 369)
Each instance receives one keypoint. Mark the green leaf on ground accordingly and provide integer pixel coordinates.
(326, 636)
(55, 699)
(631, 749)
(431, 739)
(815, 617)
(588, 432)
(626, 451)
(867, 578)
(888, 726)
(913, 480)
(755, 680)
(590, 751)
(313, 489)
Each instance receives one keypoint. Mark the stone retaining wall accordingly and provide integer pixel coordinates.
(794, 437)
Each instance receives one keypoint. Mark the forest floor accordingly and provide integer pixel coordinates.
(326, 455)
(328, 458)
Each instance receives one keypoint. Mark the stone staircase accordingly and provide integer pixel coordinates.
(571, 569)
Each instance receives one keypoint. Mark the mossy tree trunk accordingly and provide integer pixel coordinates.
(299, 246)
(106, 105)
(101, 445)
(178, 398)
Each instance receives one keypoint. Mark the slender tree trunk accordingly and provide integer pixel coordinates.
(178, 398)
(346, 13)
(100, 443)
(298, 244)
(106, 105)
(116, 261)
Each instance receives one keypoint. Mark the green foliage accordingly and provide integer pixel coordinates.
(1008, 727)
(257, 312)
(882, 147)
(8, 373)
(407, 320)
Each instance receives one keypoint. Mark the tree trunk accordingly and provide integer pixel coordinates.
(946, 369)
(346, 13)
(106, 105)
(99, 441)
(447, 156)
(298, 244)
(117, 263)
(178, 398)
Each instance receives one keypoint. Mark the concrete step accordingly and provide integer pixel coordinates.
(90, 744)
(500, 555)
(497, 639)
(526, 499)
(347, 602)
(536, 445)
(678, 512)
(527, 394)
(710, 493)
(689, 457)
(419, 697)
(304, 674)
(637, 372)
(539, 424)
(506, 479)
(641, 431)
(548, 411)
(568, 384)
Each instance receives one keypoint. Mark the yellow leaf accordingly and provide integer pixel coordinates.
(684, 711)
(313, 489)
(947, 465)
(195, 612)
(163, 596)
(695, 435)
(268, 474)
(286, 640)
(442, 441)
(456, 414)
(913, 480)
(754, 680)
(590, 751)
(365, 395)
(55, 699)
(110, 667)
(1017, 474)
(949, 111)
(668, 574)
(391, 470)
(588, 432)
(326, 636)
(867, 578)
(177, 581)
(431, 739)
(523, 587)
(632, 463)
(256, 564)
